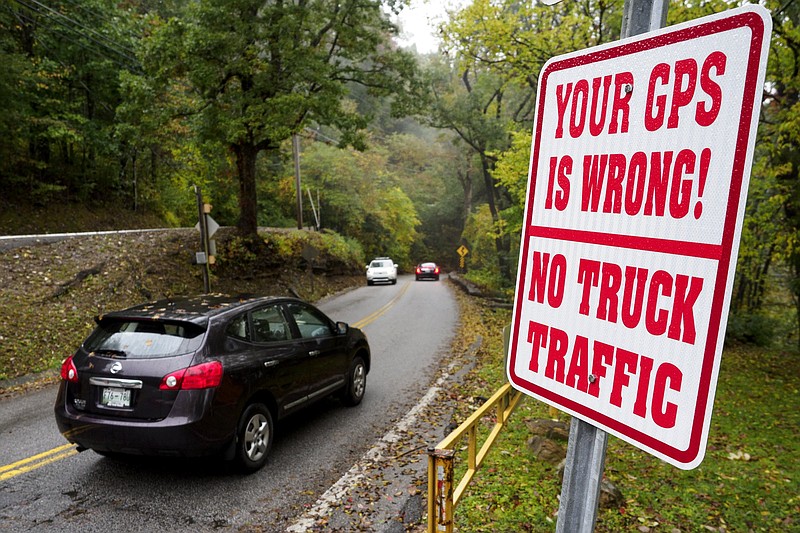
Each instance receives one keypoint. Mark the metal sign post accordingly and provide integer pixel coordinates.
(586, 450)
(583, 472)
(202, 225)
(642, 16)
(207, 227)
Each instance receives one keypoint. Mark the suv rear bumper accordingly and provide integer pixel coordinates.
(184, 433)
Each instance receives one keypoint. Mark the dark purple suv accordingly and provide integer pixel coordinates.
(205, 375)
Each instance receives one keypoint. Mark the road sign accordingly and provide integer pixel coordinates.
(462, 250)
(640, 164)
(213, 226)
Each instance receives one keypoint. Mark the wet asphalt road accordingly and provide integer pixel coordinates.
(45, 488)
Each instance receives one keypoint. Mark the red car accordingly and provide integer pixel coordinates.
(427, 271)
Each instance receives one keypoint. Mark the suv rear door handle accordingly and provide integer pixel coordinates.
(314, 353)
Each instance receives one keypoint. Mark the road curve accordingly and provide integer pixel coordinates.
(45, 486)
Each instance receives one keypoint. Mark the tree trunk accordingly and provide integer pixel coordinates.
(248, 202)
(501, 243)
(466, 183)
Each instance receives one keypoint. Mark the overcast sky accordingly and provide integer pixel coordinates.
(418, 22)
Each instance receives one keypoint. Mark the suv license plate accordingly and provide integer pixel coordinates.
(116, 397)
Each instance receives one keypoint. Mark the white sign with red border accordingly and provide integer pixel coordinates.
(640, 165)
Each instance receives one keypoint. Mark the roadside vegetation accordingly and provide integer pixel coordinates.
(748, 481)
(50, 293)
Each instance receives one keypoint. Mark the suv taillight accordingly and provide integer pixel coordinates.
(203, 376)
(419, 270)
(436, 270)
(68, 370)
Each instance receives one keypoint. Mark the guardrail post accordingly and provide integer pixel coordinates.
(472, 449)
(443, 492)
(502, 409)
(440, 497)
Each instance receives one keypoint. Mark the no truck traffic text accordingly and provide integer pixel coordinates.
(628, 294)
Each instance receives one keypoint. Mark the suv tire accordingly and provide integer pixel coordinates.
(254, 437)
(353, 392)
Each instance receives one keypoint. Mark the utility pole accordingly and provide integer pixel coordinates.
(298, 189)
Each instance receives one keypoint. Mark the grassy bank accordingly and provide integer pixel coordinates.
(748, 480)
(50, 293)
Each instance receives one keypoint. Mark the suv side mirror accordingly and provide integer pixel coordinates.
(342, 328)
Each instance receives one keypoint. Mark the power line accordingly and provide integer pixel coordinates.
(99, 15)
(327, 140)
(57, 16)
(122, 56)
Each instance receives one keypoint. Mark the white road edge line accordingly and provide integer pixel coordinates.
(324, 505)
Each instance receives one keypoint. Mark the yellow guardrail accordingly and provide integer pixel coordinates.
(442, 497)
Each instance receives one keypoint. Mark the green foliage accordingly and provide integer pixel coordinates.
(394, 227)
(513, 166)
(288, 247)
(249, 75)
(45, 193)
(358, 198)
(777, 202)
(480, 235)
(60, 89)
(346, 249)
(751, 328)
(512, 172)
(238, 250)
(429, 170)
(285, 244)
(745, 482)
(489, 280)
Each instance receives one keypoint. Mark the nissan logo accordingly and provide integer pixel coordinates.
(116, 367)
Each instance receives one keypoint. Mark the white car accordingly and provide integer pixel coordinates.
(381, 270)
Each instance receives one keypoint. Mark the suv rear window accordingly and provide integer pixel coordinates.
(144, 339)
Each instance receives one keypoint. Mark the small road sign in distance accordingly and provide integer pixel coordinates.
(641, 159)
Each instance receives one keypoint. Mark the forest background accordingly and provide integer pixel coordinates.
(126, 105)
